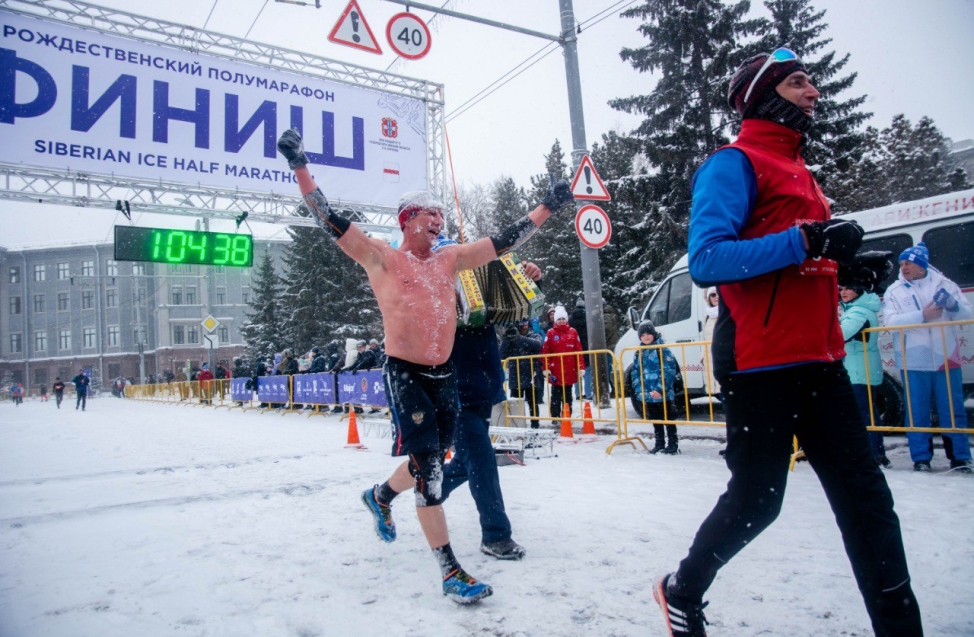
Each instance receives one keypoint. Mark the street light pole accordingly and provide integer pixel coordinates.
(591, 274)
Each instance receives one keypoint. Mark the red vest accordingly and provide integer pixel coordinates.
(789, 315)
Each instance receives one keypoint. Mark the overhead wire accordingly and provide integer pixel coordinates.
(543, 52)
(211, 13)
(255, 19)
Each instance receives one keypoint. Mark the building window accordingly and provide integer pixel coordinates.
(190, 296)
(88, 337)
(16, 343)
(177, 335)
(40, 272)
(177, 296)
(142, 296)
(39, 303)
(221, 296)
(245, 295)
(223, 334)
(113, 332)
(63, 271)
(15, 275)
(111, 297)
(87, 300)
(111, 267)
(64, 339)
(15, 305)
(40, 375)
(87, 268)
(221, 268)
(193, 334)
(138, 269)
(40, 341)
(63, 301)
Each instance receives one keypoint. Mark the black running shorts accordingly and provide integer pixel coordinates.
(424, 404)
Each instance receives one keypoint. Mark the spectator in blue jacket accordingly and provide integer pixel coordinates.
(653, 379)
(81, 383)
(860, 311)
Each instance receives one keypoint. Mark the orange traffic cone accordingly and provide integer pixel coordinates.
(566, 425)
(588, 426)
(449, 455)
(353, 440)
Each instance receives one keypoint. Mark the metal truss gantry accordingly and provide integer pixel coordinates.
(72, 188)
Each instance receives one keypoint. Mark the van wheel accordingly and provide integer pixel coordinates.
(626, 386)
(889, 401)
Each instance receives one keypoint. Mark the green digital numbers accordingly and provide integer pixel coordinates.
(183, 246)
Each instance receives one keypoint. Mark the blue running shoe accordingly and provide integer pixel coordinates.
(463, 589)
(385, 528)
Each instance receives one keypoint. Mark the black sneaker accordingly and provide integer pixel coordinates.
(922, 466)
(671, 450)
(657, 449)
(503, 550)
(683, 618)
(883, 462)
(961, 466)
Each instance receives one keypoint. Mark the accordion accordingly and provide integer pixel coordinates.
(499, 293)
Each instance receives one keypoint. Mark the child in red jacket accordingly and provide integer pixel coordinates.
(562, 370)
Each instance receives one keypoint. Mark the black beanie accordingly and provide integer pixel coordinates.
(764, 102)
(647, 327)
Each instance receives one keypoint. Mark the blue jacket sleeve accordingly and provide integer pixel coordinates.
(724, 194)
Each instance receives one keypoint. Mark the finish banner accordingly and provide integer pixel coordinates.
(314, 389)
(363, 388)
(86, 101)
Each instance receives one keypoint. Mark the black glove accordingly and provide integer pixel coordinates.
(868, 270)
(835, 239)
(559, 195)
(292, 147)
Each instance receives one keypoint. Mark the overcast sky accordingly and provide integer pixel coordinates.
(912, 57)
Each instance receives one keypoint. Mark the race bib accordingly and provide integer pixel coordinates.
(819, 267)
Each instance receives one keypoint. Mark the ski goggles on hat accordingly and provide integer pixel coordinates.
(778, 56)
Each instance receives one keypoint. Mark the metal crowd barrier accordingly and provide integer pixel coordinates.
(892, 343)
(278, 394)
(605, 409)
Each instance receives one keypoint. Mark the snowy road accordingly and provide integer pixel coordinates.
(137, 519)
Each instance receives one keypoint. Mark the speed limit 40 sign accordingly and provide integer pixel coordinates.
(408, 36)
(593, 227)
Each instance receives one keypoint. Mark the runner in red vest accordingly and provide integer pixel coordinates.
(761, 230)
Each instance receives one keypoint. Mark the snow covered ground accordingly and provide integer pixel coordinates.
(140, 519)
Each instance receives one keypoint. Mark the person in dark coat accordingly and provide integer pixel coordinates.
(58, 388)
(366, 359)
(239, 369)
(81, 383)
(288, 365)
(520, 374)
(333, 357)
(318, 362)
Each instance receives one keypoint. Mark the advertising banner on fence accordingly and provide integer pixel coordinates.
(272, 389)
(238, 389)
(314, 389)
(363, 388)
(91, 102)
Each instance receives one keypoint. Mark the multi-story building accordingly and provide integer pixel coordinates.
(68, 307)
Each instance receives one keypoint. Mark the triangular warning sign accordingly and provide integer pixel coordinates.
(587, 183)
(352, 30)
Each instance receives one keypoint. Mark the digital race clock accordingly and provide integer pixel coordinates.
(183, 246)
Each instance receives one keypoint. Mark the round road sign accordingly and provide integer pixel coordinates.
(408, 36)
(593, 227)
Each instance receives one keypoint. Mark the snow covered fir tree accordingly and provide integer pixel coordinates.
(263, 333)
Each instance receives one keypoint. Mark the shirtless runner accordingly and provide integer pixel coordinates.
(415, 288)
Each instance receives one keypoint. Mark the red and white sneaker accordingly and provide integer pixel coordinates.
(683, 618)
